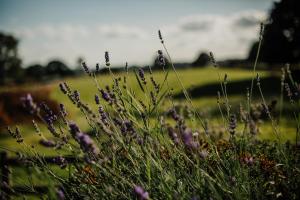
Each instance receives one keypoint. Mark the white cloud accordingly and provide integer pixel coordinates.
(225, 35)
(121, 31)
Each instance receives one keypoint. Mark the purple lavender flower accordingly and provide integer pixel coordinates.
(28, 103)
(174, 114)
(61, 161)
(60, 194)
(105, 95)
(141, 194)
(106, 56)
(160, 37)
(63, 110)
(97, 68)
(232, 124)
(86, 69)
(97, 100)
(161, 59)
(73, 129)
(173, 135)
(50, 116)
(86, 143)
(126, 67)
(47, 143)
(63, 88)
(188, 140)
(84, 140)
(142, 75)
(76, 96)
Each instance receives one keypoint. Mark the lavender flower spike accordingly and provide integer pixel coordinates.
(141, 194)
(86, 143)
(28, 103)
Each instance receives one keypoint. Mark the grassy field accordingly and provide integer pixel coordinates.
(190, 78)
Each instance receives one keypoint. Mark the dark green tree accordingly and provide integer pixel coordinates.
(58, 68)
(281, 40)
(202, 60)
(36, 72)
(10, 63)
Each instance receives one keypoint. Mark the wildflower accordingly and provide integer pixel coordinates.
(156, 86)
(161, 59)
(61, 161)
(60, 194)
(86, 143)
(160, 37)
(203, 154)
(97, 68)
(86, 69)
(105, 95)
(97, 100)
(47, 143)
(103, 116)
(106, 56)
(174, 114)
(63, 110)
(142, 75)
(188, 139)
(28, 103)
(141, 194)
(126, 67)
(76, 96)
(67, 87)
(212, 59)
(17, 134)
(84, 140)
(36, 128)
(63, 88)
(173, 135)
(262, 29)
(153, 98)
(232, 124)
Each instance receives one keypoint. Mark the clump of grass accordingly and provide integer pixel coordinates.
(137, 149)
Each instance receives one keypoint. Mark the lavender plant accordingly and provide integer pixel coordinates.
(139, 149)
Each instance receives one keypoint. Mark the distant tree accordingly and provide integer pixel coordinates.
(202, 60)
(281, 41)
(36, 72)
(10, 63)
(58, 68)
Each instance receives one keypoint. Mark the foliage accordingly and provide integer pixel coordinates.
(281, 42)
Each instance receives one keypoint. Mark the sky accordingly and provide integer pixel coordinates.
(66, 30)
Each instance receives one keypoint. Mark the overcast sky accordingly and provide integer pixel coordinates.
(65, 29)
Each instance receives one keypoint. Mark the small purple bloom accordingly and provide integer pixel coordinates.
(142, 75)
(97, 67)
(105, 95)
(97, 100)
(63, 88)
(84, 140)
(63, 110)
(86, 69)
(61, 161)
(47, 143)
(86, 143)
(141, 194)
(106, 56)
(76, 96)
(60, 194)
(188, 139)
(28, 103)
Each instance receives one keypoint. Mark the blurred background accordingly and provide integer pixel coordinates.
(45, 42)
